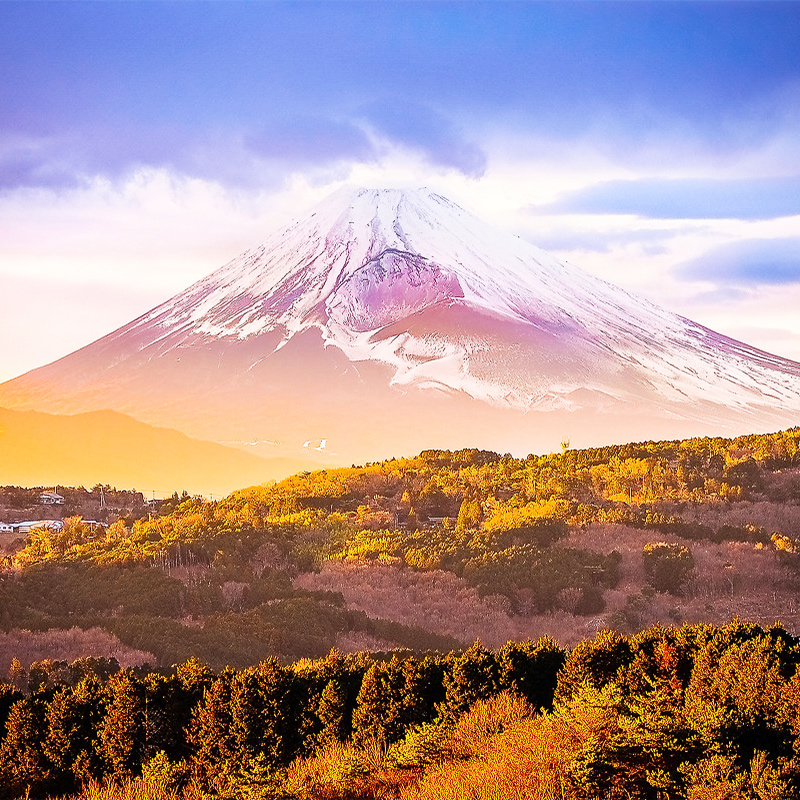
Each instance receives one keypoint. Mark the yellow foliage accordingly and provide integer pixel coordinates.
(504, 517)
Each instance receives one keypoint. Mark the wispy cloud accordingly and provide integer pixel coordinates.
(311, 141)
(747, 262)
(694, 198)
(428, 132)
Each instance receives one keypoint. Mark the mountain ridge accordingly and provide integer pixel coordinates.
(109, 447)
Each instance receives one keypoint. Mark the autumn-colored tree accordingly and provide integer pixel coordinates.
(123, 730)
(209, 731)
(24, 767)
(71, 742)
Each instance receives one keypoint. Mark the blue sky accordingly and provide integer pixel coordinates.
(144, 144)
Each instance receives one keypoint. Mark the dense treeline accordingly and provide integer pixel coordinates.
(145, 607)
(696, 712)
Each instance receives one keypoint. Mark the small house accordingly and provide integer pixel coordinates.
(51, 499)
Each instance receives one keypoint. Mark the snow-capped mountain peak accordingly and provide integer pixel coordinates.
(365, 260)
(379, 299)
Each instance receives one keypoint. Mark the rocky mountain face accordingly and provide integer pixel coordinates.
(384, 322)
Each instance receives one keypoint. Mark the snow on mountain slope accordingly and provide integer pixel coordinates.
(386, 317)
(368, 259)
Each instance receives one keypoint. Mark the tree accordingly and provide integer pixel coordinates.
(595, 663)
(209, 731)
(123, 730)
(378, 715)
(23, 764)
(8, 696)
(473, 676)
(334, 712)
(667, 566)
(469, 515)
(531, 670)
(71, 743)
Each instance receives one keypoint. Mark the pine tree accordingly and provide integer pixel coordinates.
(210, 730)
(379, 711)
(18, 675)
(597, 662)
(423, 691)
(23, 764)
(8, 696)
(531, 670)
(334, 712)
(123, 730)
(474, 676)
(73, 719)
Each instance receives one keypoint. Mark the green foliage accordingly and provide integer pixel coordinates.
(224, 563)
(473, 676)
(420, 747)
(667, 566)
(531, 670)
(123, 729)
(687, 711)
(469, 515)
(697, 712)
(73, 720)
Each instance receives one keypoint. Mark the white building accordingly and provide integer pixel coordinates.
(51, 499)
(25, 528)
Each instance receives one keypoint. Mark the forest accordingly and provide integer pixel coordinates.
(345, 604)
(695, 712)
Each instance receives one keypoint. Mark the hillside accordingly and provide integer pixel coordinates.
(109, 447)
(434, 551)
(698, 712)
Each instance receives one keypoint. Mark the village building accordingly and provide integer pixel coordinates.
(24, 528)
(51, 499)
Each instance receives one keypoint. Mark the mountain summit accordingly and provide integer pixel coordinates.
(387, 321)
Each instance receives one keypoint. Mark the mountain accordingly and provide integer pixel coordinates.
(384, 322)
(108, 447)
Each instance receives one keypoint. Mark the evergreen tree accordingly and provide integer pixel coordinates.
(71, 744)
(334, 712)
(210, 730)
(23, 764)
(8, 696)
(123, 730)
(531, 670)
(265, 718)
(597, 662)
(167, 714)
(473, 676)
(378, 715)
(18, 675)
(424, 689)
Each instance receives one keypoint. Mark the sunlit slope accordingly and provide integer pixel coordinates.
(107, 447)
